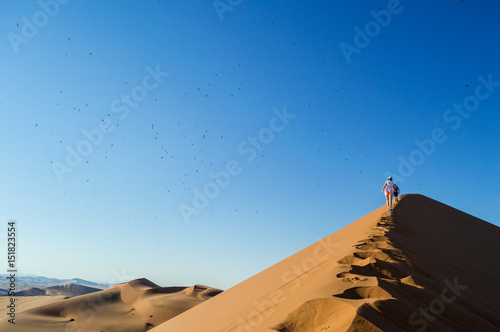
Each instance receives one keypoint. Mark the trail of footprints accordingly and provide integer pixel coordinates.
(378, 259)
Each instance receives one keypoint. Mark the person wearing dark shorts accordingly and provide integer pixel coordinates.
(396, 192)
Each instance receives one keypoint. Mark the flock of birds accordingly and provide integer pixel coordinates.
(203, 157)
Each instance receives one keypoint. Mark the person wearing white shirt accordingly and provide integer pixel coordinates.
(388, 190)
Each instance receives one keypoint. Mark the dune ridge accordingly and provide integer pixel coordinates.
(424, 267)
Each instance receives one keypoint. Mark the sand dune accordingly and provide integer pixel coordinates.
(424, 267)
(137, 305)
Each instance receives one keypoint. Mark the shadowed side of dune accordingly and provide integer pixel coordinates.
(438, 274)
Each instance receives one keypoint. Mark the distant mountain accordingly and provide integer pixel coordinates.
(32, 292)
(64, 290)
(27, 281)
(82, 282)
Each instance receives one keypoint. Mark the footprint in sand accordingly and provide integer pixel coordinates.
(369, 292)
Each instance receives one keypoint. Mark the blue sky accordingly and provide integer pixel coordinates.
(299, 134)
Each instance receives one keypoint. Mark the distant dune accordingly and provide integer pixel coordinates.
(64, 290)
(424, 267)
(137, 305)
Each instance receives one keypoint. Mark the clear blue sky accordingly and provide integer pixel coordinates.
(300, 109)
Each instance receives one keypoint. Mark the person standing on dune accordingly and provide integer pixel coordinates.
(396, 193)
(388, 190)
